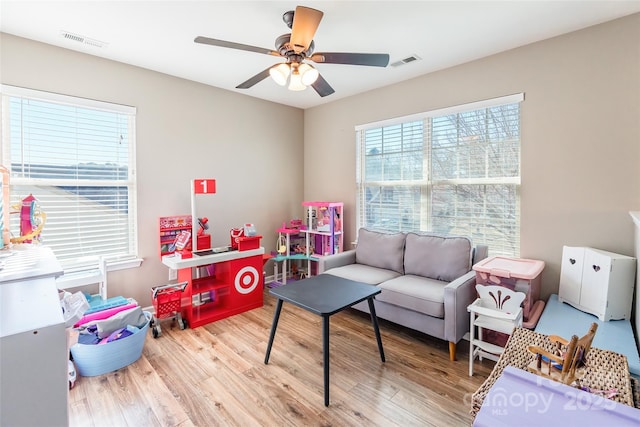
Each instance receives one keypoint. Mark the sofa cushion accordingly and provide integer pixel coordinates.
(363, 273)
(415, 293)
(437, 257)
(380, 249)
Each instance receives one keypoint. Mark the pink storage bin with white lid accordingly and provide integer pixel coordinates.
(506, 267)
(518, 274)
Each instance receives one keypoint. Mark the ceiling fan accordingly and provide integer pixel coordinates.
(296, 48)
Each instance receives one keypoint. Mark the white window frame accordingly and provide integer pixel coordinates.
(87, 252)
(426, 183)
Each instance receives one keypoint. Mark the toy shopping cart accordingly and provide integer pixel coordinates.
(166, 303)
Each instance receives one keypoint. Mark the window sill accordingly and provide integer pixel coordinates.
(123, 265)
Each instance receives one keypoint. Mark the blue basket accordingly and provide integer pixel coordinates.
(98, 359)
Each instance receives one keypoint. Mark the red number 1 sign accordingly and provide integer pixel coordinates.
(204, 186)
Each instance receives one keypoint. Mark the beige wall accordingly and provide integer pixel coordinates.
(580, 140)
(580, 136)
(185, 130)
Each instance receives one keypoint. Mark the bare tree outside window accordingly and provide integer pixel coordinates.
(455, 174)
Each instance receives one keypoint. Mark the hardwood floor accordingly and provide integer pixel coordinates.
(215, 375)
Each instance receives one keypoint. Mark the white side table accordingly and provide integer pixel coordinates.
(497, 309)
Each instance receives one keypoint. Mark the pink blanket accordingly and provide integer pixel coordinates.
(104, 314)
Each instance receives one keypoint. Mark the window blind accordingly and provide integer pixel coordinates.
(77, 158)
(450, 171)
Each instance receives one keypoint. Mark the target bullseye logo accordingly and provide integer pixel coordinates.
(247, 279)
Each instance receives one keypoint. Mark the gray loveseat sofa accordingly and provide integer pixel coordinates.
(427, 280)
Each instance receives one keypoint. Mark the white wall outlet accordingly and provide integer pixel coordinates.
(173, 274)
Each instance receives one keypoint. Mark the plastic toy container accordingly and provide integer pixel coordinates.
(98, 359)
(517, 274)
(248, 243)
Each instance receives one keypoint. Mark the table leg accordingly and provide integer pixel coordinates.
(376, 328)
(325, 354)
(274, 325)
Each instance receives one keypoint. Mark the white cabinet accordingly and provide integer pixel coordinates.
(34, 382)
(597, 282)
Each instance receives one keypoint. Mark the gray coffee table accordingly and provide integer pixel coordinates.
(325, 295)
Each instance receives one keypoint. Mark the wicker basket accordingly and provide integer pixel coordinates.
(604, 369)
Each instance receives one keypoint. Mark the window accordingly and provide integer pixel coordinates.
(77, 158)
(450, 171)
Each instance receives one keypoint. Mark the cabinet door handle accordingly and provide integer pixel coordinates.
(596, 268)
(572, 261)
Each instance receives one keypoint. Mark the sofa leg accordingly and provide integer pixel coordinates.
(452, 351)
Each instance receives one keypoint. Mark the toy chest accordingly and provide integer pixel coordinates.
(517, 274)
(98, 359)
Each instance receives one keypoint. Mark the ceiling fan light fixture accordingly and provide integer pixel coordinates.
(295, 81)
(308, 74)
(296, 47)
(280, 73)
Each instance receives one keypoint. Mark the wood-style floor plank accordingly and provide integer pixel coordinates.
(215, 375)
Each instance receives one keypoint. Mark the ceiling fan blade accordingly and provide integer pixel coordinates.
(322, 87)
(255, 79)
(370, 59)
(305, 24)
(232, 45)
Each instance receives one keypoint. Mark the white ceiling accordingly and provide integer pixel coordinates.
(158, 35)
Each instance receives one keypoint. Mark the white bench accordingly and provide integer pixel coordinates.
(94, 276)
(615, 335)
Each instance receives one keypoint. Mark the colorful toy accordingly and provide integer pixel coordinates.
(203, 224)
(609, 394)
(71, 369)
(281, 246)
(324, 220)
(182, 240)
(170, 229)
(167, 300)
(32, 220)
(236, 234)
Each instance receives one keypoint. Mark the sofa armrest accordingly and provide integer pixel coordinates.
(457, 297)
(336, 260)
(480, 252)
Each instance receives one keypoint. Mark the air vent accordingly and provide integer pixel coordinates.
(82, 39)
(406, 60)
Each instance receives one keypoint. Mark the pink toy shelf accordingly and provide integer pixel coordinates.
(170, 228)
(175, 235)
(324, 227)
(304, 241)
